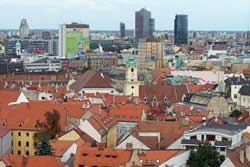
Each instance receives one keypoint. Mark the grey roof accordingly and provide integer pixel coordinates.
(236, 81)
(245, 90)
(227, 129)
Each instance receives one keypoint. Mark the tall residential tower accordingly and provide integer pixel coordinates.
(181, 30)
(24, 29)
(144, 24)
(122, 30)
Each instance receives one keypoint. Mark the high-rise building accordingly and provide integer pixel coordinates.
(144, 24)
(181, 30)
(151, 53)
(23, 29)
(122, 30)
(73, 39)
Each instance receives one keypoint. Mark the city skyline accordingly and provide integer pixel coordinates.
(107, 15)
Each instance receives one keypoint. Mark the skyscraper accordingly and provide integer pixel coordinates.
(73, 39)
(122, 30)
(23, 29)
(144, 24)
(181, 30)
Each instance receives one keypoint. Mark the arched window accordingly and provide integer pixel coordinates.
(132, 69)
(154, 99)
(145, 99)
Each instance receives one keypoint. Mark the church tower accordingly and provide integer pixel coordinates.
(131, 86)
(18, 48)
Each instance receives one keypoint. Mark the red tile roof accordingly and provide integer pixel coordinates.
(25, 116)
(91, 79)
(169, 131)
(234, 155)
(155, 157)
(31, 161)
(126, 112)
(60, 147)
(173, 93)
(101, 157)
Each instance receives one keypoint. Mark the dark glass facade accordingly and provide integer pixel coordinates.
(181, 30)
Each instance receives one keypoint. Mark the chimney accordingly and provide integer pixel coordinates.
(101, 146)
(248, 153)
(129, 146)
(242, 156)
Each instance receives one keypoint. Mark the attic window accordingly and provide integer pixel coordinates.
(114, 156)
(154, 99)
(4, 123)
(165, 99)
(145, 99)
(85, 154)
(107, 156)
(98, 155)
(20, 124)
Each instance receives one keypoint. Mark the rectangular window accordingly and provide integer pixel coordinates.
(27, 144)
(19, 152)
(27, 134)
(19, 133)
(19, 143)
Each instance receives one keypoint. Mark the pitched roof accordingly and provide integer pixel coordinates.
(169, 131)
(245, 90)
(155, 157)
(174, 93)
(31, 161)
(89, 156)
(60, 147)
(234, 155)
(91, 79)
(26, 116)
(126, 112)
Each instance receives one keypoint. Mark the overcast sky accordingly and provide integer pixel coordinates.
(107, 14)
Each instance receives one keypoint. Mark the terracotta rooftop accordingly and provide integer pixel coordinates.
(28, 116)
(91, 79)
(60, 147)
(101, 157)
(155, 157)
(234, 155)
(31, 161)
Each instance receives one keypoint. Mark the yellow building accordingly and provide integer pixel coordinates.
(151, 48)
(24, 142)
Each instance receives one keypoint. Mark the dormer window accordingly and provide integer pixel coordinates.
(154, 99)
(145, 100)
(4, 123)
(20, 124)
(165, 100)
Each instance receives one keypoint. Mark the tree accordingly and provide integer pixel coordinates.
(235, 114)
(205, 156)
(52, 124)
(44, 147)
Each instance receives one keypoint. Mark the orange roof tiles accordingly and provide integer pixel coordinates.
(60, 147)
(154, 157)
(31, 161)
(101, 157)
(126, 112)
(25, 116)
(169, 131)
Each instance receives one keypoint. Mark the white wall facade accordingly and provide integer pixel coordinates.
(72, 150)
(178, 160)
(136, 143)
(86, 127)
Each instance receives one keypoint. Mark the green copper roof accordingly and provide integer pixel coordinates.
(131, 61)
(18, 44)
